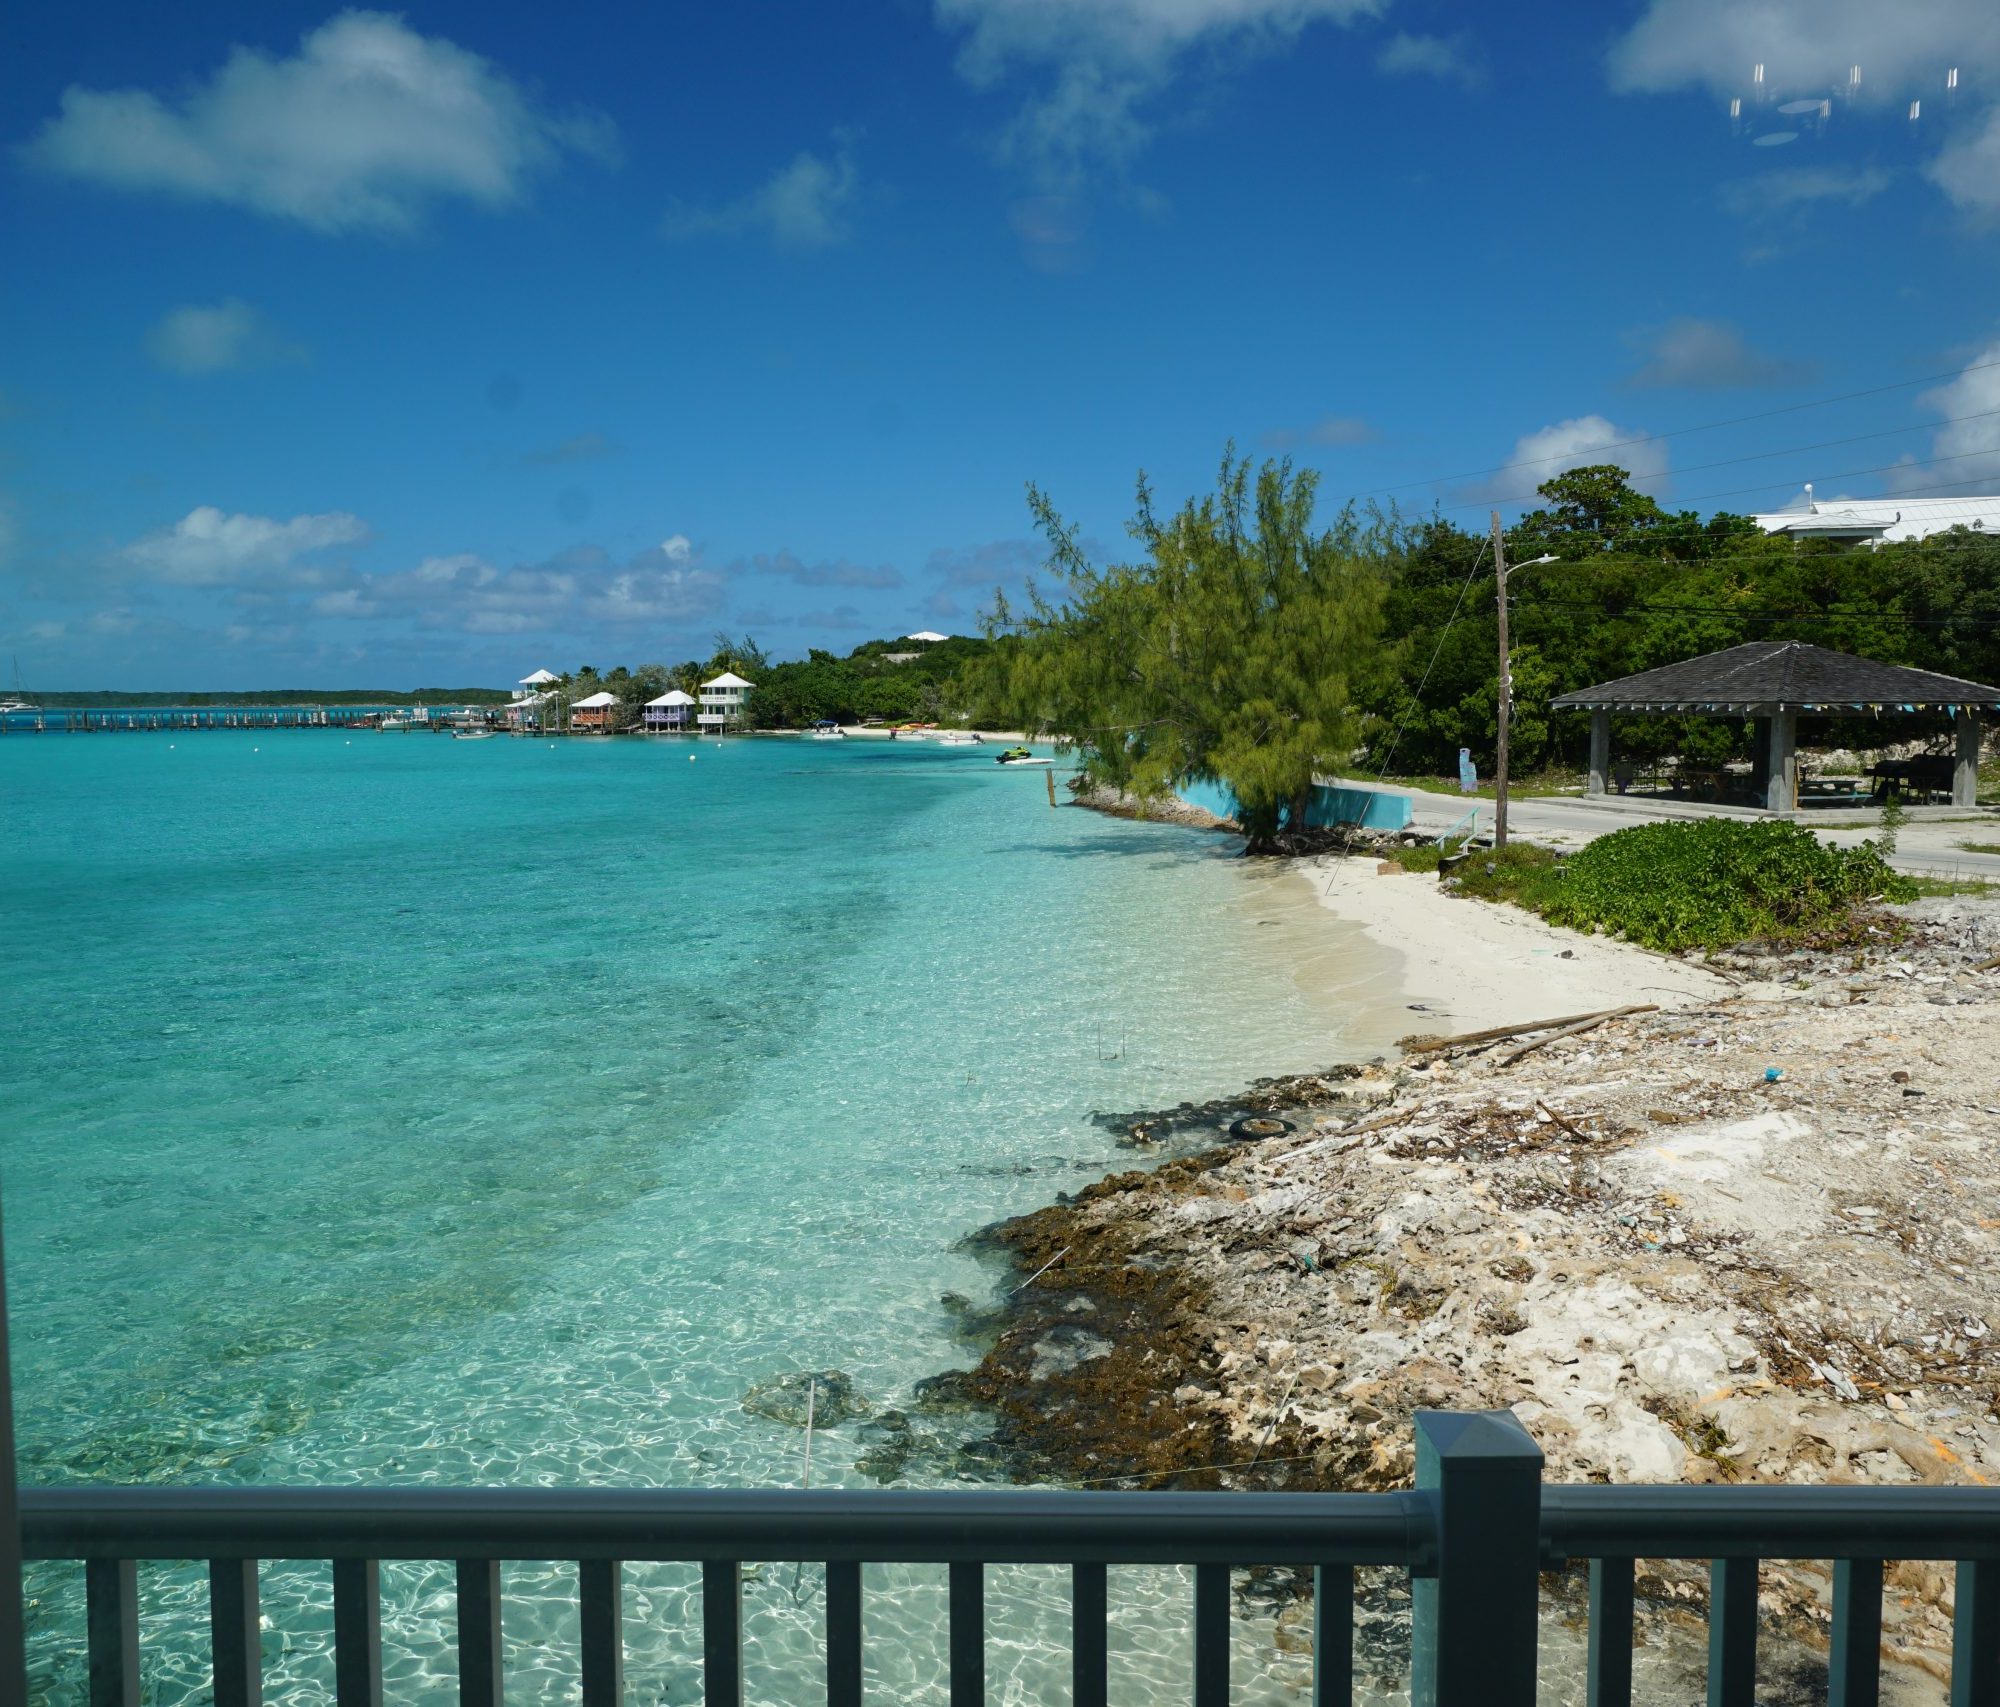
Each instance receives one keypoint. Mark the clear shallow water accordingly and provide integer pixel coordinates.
(400, 1110)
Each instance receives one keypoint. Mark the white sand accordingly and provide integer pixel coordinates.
(1473, 964)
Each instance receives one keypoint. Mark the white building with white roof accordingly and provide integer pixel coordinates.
(722, 700)
(1876, 521)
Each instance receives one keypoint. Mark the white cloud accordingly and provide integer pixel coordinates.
(1806, 44)
(365, 127)
(1576, 443)
(1107, 59)
(207, 548)
(677, 547)
(1962, 450)
(1968, 170)
(1710, 355)
(1809, 47)
(215, 338)
(1454, 58)
(805, 205)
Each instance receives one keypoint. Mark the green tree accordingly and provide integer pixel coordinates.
(1233, 652)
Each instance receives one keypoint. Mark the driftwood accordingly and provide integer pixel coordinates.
(1568, 1126)
(1988, 965)
(1590, 1022)
(1421, 1045)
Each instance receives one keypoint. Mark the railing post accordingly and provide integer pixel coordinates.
(1475, 1628)
(13, 1629)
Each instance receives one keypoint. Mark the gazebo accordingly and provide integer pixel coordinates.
(1771, 682)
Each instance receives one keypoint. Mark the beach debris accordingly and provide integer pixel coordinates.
(825, 1398)
(1259, 1126)
(1589, 1023)
(1423, 1043)
(1773, 1074)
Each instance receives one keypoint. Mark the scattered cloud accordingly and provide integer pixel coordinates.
(1329, 430)
(1454, 58)
(1002, 565)
(1710, 355)
(217, 338)
(836, 574)
(1103, 63)
(208, 548)
(579, 447)
(580, 590)
(805, 205)
(1575, 443)
(1808, 49)
(364, 128)
(1772, 193)
(1963, 450)
(677, 548)
(841, 617)
(1968, 170)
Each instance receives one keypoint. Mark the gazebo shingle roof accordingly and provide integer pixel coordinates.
(1778, 674)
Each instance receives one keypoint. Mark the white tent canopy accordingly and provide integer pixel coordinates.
(673, 696)
(929, 636)
(595, 702)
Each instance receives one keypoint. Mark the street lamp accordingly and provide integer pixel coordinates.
(1506, 695)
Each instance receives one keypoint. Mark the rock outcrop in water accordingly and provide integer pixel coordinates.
(828, 1396)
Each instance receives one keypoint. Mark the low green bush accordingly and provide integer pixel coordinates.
(1708, 882)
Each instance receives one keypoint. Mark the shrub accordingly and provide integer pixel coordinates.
(1713, 881)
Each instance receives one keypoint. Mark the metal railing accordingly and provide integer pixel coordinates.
(1474, 1535)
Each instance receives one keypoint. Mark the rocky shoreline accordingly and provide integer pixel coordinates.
(1752, 1238)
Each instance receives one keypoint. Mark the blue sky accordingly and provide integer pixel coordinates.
(391, 349)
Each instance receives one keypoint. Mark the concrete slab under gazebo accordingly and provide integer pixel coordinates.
(1771, 682)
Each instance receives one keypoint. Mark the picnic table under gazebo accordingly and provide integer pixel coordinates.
(1770, 682)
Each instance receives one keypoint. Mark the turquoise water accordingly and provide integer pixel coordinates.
(395, 1109)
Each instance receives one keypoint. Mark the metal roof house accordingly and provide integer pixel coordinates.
(1772, 682)
(593, 712)
(670, 710)
(722, 700)
(1876, 521)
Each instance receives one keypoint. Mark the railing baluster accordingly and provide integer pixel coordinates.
(722, 1633)
(843, 1633)
(1975, 1636)
(603, 1631)
(1211, 1636)
(357, 1633)
(1732, 1633)
(233, 1633)
(1333, 1636)
(1854, 1667)
(1610, 1633)
(111, 1613)
(479, 1651)
(968, 1635)
(1089, 1637)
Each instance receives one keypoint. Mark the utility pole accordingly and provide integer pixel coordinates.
(1506, 693)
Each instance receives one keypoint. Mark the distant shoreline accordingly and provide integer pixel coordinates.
(303, 699)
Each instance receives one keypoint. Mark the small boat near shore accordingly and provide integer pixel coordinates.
(959, 738)
(1021, 757)
(474, 734)
(827, 730)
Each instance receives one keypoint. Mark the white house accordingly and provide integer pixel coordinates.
(722, 700)
(669, 711)
(1872, 521)
(531, 687)
(593, 712)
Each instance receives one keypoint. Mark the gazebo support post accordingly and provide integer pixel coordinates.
(1782, 752)
(1600, 752)
(1965, 768)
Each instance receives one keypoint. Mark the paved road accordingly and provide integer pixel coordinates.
(1926, 846)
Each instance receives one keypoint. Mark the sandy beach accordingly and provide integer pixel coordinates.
(1467, 965)
(1747, 1237)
